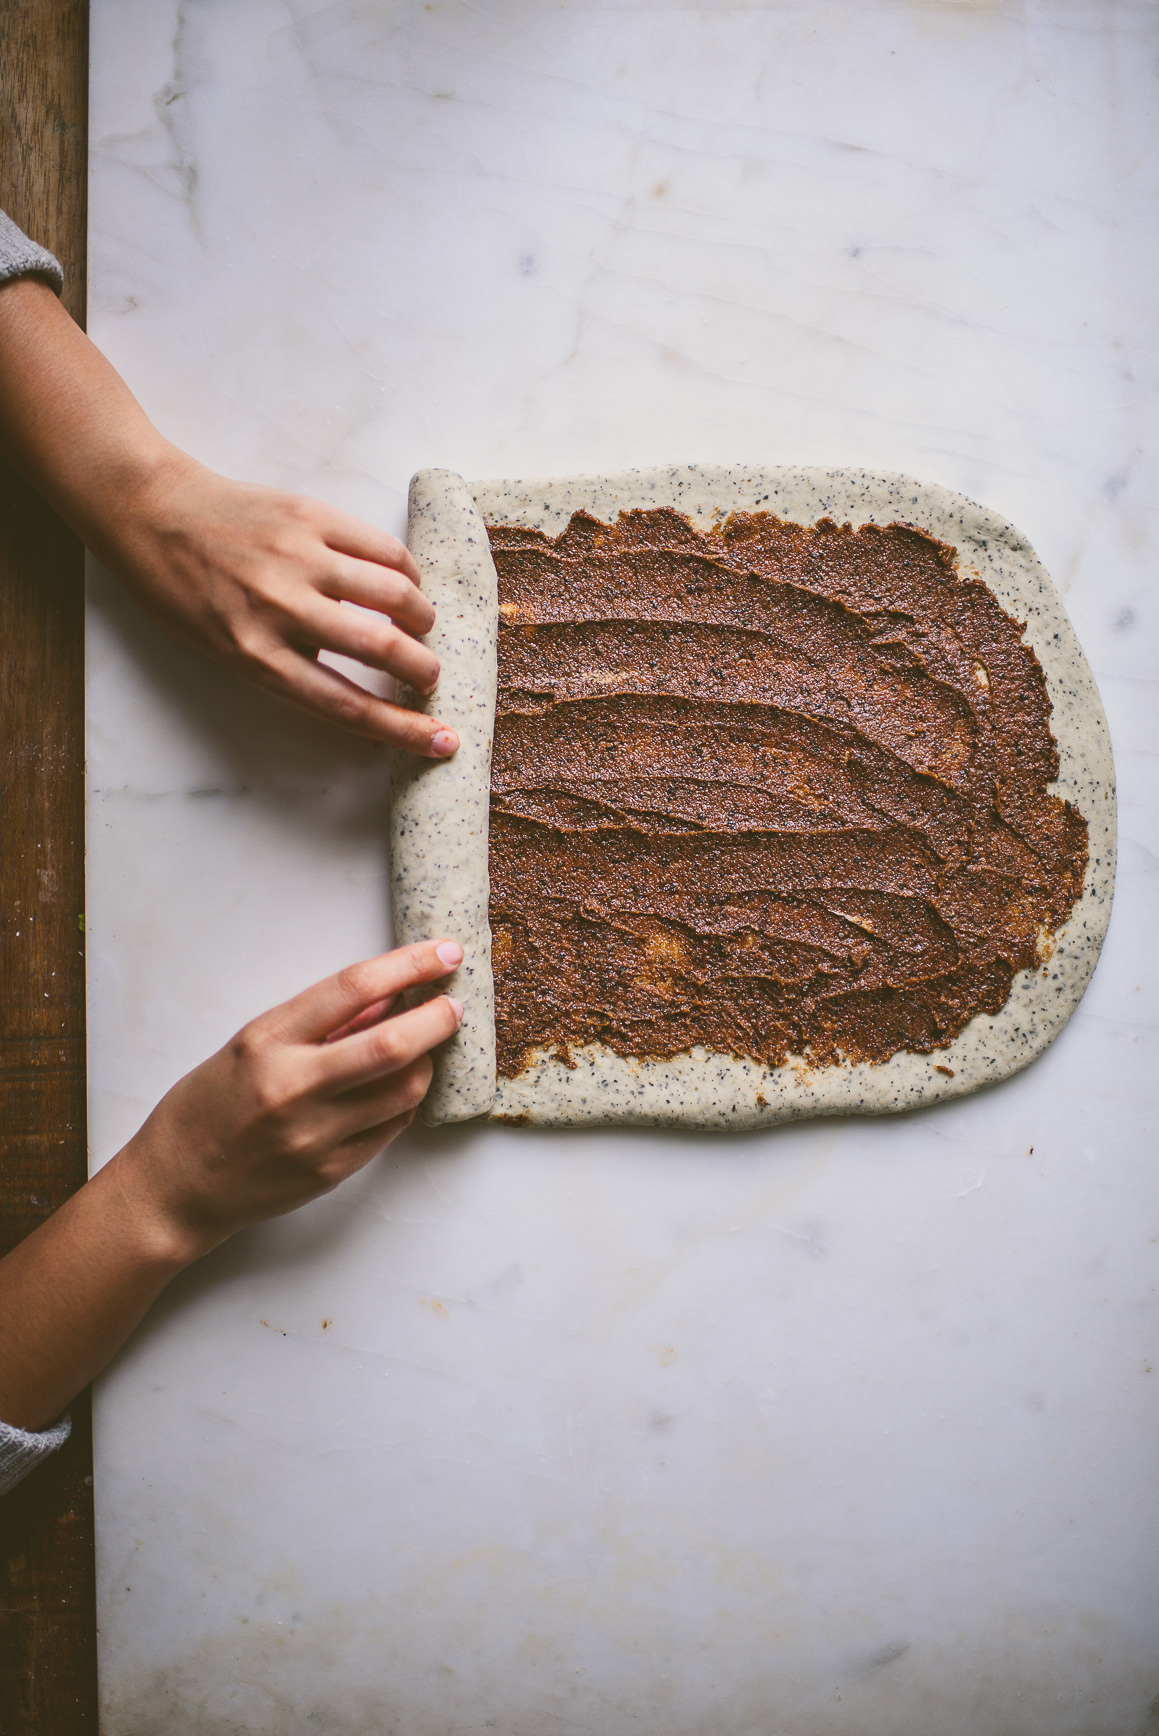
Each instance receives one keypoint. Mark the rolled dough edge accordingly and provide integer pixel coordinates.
(439, 813)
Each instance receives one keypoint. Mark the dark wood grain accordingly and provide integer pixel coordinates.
(47, 1623)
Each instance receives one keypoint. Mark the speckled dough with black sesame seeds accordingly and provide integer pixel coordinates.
(595, 1073)
(438, 825)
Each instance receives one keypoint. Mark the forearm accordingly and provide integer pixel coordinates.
(304, 1096)
(68, 421)
(258, 579)
(71, 1294)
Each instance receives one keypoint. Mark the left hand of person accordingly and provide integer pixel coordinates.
(260, 581)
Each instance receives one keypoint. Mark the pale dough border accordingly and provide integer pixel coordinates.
(707, 1090)
(440, 810)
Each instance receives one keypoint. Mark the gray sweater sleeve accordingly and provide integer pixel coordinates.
(21, 1450)
(20, 257)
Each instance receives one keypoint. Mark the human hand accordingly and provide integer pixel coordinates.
(300, 1099)
(258, 580)
(253, 577)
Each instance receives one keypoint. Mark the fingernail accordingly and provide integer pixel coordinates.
(458, 1006)
(450, 953)
(444, 742)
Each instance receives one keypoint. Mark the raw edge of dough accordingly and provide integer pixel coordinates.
(440, 809)
(709, 1090)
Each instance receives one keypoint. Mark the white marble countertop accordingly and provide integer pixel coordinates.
(847, 1427)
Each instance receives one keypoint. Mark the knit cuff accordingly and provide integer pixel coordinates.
(21, 1450)
(20, 257)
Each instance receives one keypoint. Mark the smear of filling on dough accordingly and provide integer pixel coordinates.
(773, 789)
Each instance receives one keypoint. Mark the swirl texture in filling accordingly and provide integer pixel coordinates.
(777, 790)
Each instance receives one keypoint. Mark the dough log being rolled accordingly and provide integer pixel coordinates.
(439, 809)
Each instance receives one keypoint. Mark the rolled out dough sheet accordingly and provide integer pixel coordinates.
(440, 811)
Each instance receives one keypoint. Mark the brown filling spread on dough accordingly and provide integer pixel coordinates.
(773, 789)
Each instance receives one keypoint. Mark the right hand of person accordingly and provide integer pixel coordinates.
(298, 1100)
